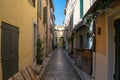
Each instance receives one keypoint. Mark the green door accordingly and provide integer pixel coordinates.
(117, 49)
(9, 52)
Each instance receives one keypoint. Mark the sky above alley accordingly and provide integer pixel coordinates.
(59, 6)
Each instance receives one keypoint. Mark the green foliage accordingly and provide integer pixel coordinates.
(39, 55)
(101, 6)
(87, 20)
(70, 38)
(104, 4)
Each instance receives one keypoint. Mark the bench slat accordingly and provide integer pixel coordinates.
(26, 74)
(31, 72)
(18, 76)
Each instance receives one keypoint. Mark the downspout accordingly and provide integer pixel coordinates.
(47, 29)
(38, 18)
(94, 51)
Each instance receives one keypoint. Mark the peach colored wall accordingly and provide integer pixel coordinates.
(0, 56)
(101, 39)
(101, 60)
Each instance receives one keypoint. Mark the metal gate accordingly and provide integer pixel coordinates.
(9, 52)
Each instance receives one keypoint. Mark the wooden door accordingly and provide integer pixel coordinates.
(9, 52)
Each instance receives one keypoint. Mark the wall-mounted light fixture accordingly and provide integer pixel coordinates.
(99, 30)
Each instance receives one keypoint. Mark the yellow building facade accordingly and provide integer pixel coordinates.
(23, 15)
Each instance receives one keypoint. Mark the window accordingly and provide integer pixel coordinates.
(45, 17)
(87, 40)
(81, 42)
(81, 8)
(40, 13)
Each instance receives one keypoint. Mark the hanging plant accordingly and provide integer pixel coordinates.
(88, 19)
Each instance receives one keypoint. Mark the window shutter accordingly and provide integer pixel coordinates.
(45, 15)
(40, 14)
(33, 3)
(81, 8)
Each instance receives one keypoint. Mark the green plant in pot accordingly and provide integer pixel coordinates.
(40, 49)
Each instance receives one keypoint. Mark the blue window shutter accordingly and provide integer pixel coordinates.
(81, 8)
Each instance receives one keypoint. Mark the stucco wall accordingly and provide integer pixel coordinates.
(20, 13)
(42, 26)
(0, 55)
(101, 67)
(101, 60)
(101, 39)
(76, 13)
(86, 6)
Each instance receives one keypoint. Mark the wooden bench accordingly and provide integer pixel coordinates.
(25, 74)
(10, 78)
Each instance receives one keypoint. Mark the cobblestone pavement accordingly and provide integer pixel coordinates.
(59, 68)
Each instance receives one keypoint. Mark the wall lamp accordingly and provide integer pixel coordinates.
(99, 30)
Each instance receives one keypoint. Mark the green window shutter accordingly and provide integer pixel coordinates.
(40, 14)
(45, 18)
(81, 8)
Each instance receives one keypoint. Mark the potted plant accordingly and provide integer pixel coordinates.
(39, 55)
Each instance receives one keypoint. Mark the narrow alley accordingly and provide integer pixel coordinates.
(59, 39)
(60, 68)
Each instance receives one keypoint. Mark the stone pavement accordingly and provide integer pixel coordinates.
(40, 69)
(60, 68)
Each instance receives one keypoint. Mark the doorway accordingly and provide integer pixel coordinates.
(113, 45)
(35, 37)
(117, 49)
(9, 49)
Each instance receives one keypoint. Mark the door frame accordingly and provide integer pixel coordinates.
(111, 43)
(35, 35)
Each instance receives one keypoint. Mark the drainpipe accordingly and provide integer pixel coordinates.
(94, 52)
(47, 30)
(38, 18)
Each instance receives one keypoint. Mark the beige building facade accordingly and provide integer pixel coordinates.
(60, 30)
